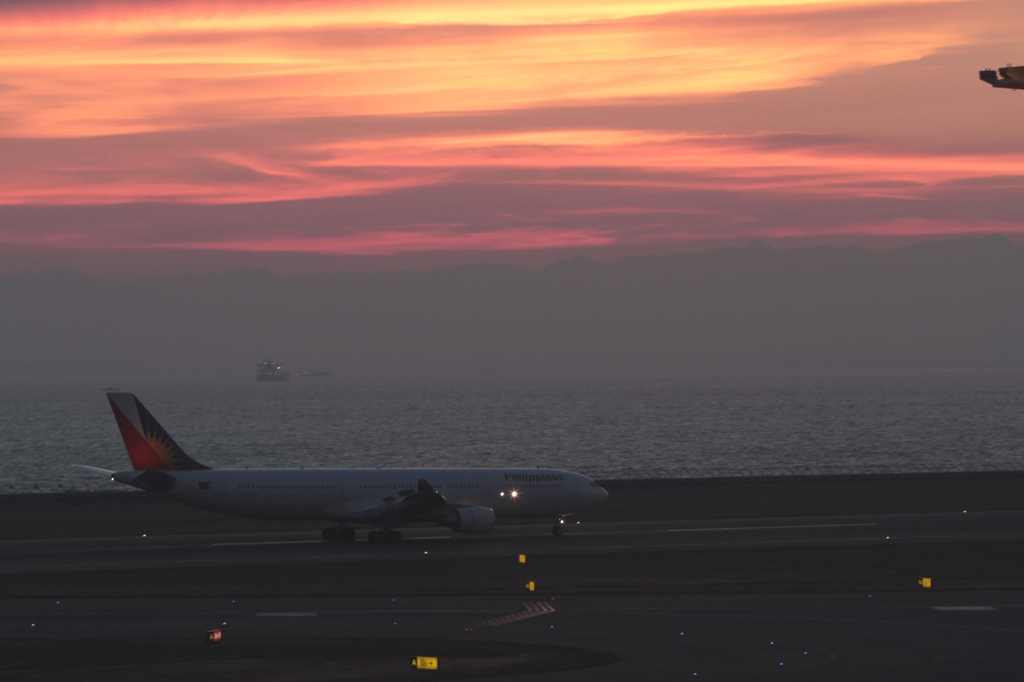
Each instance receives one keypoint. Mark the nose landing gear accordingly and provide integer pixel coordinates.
(559, 527)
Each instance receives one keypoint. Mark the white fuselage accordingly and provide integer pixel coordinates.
(342, 494)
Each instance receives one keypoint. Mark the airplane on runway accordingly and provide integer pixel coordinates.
(465, 500)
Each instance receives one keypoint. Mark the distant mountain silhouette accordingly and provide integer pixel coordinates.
(947, 304)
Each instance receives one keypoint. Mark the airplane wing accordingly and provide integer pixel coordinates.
(424, 504)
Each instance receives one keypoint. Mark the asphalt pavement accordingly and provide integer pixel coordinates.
(906, 636)
(894, 636)
(51, 555)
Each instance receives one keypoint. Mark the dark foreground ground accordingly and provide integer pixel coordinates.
(852, 637)
(828, 601)
(279, 659)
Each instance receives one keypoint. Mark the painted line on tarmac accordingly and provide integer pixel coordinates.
(267, 542)
(455, 551)
(963, 608)
(711, 529)
(533, 609)
(287, 614)
(814, 525)
(316, 542)
(420, 537)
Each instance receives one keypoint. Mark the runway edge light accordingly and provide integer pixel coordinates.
(424, 663)
(924, 582)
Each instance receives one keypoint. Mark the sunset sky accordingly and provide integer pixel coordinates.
(416, 134)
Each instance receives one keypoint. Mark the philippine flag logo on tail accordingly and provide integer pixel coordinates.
(148, 445)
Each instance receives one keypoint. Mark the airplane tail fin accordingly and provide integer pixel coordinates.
(148, 445)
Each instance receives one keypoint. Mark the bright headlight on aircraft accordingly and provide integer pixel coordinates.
(515, 493)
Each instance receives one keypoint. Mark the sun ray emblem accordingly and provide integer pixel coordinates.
(164, 448)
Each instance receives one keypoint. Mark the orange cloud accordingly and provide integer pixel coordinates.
(693, 116)
(108, 69)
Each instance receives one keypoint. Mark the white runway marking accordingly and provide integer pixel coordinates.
(315, 542)
(268, 542)
(813, 525)
(428, 537)
(533, 608)
(296, 614)
(963, 608)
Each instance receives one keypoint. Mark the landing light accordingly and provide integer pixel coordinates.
(515, 493)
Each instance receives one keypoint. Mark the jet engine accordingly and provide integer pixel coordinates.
(469, 520)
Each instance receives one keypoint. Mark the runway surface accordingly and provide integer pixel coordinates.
(52, 555)
(906, 636)
(894, 636)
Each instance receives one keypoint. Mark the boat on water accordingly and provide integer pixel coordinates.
(271, 371)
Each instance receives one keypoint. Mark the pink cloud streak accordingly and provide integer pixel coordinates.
(505, 126)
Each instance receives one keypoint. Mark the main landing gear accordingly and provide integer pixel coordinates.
(339, 534)
(559, 527)
(379, 536)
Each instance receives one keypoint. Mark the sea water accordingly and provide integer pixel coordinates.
(604, 426)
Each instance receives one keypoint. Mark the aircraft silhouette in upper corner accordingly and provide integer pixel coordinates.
(1007, 77)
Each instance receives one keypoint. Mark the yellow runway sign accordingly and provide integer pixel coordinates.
(424, 662)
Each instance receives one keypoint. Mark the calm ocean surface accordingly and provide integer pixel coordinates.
(605, 427)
